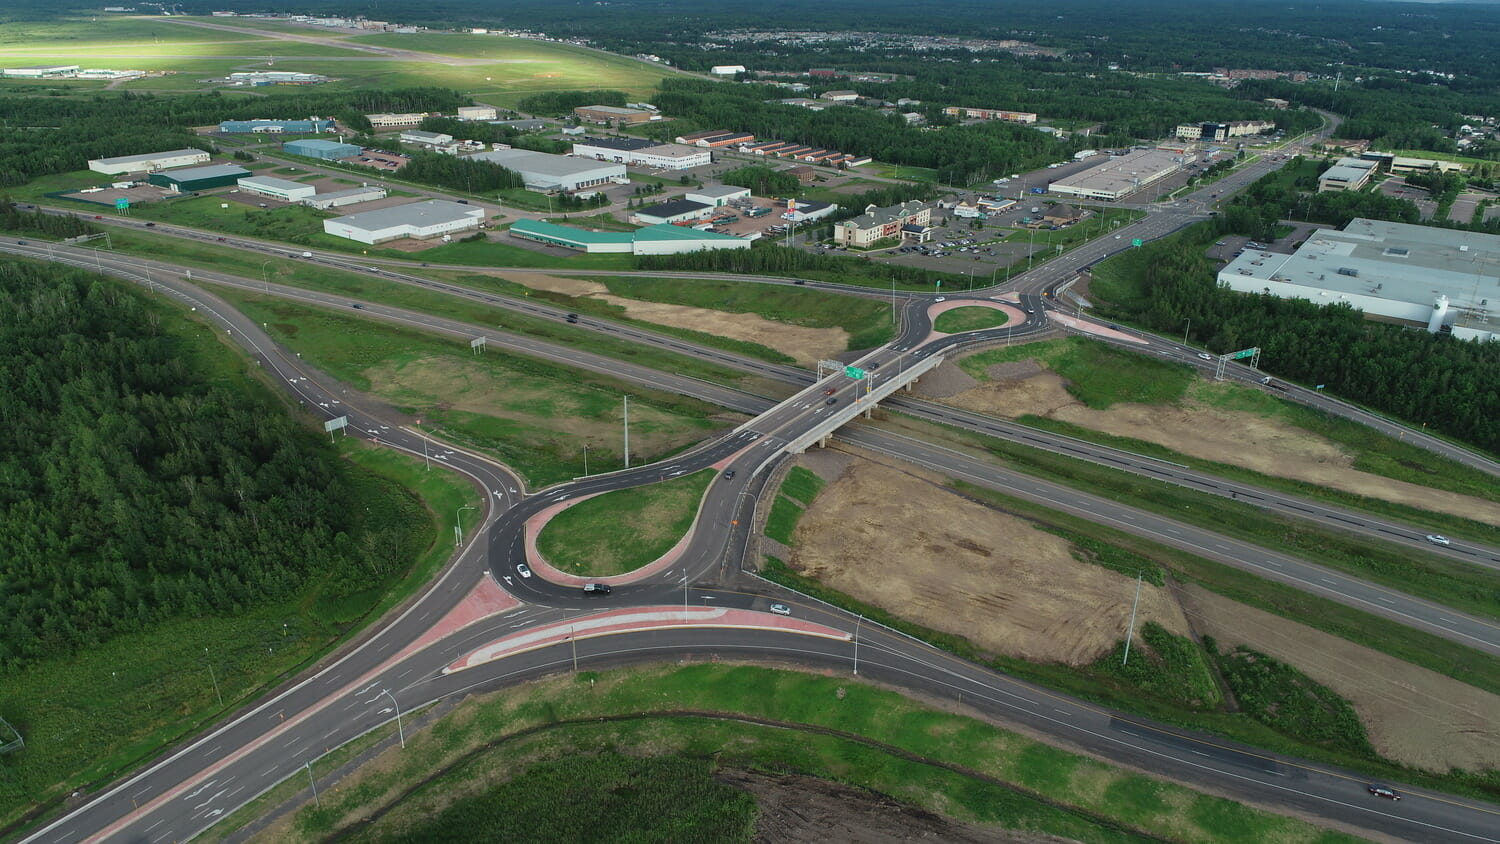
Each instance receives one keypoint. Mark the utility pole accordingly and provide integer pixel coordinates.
(684, 597)
(1130, 632)
(1185, 331)
(627, 432)
(574, 642)
(213, 679)
(314, 783)
(399, 729)
(585, 460)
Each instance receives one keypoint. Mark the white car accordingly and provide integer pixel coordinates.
(1205, 356)
(941, 299)
(523, 570)
(781, 609)
(1436, 539)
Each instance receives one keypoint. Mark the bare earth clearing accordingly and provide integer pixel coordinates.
(1413, 715)
(1268, 446)
(953, 565)
(807, 345)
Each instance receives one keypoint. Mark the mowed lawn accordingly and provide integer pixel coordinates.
(621, 531)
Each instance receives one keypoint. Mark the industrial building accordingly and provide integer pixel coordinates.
(419, 220)
(189, 179)
(839, 96)
(40, 71)
(544, 172)
(529, 124)
(276, 127)
(429, 139)
(1445, 279)
(663, 239)
(148, 161)
(477, 113)
(726, 69)
(806, 210)
(1402, 164)
(395, 121)
(990, 114)
(1223, 131)
(715, 138)
(339, 198)
(615, 115)
(282, 189)
(909, 220)
(1346, 174)
(672, 211)
(275, 77)
(326, 150)
(1119, 177)
(641, 152)
(717, 195)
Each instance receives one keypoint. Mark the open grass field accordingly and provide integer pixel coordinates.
(1002, 779)
(960, 320)
(1096, 374)
(533, 415)
(619, 532)
(105, 710)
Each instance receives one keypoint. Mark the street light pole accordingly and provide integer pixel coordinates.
(627, 432)
(314, 783)
(585, 460)
(400, 730)
(1130, 633)
(857, 625)
(213, 679)
(1185, 331)
(263, 277)
(458, 523)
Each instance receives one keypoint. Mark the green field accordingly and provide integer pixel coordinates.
(619, 532)
(533, 415)
(832, 727)
(1098, 375)
(974, 318)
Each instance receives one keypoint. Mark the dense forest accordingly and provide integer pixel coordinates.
(48, 135)
(133, 488)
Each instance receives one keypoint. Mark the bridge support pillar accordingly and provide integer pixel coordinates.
(869, 411)
(823, 441)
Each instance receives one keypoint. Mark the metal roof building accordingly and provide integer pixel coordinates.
(419, 220)
(198, 178)
(1446, 279)
(326, 150)
(338, 198)
(672, 211)
(660, 239)
(283, 189)
(276, 127)
(148, 161)
(545, 172)
(1117, 178)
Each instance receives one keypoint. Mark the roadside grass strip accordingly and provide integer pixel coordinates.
(635, 620)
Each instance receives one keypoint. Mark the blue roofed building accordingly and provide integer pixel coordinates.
(276, 127)
(326, 150)
(662, 239)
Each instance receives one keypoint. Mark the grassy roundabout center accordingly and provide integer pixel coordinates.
(969, 318)
(618, 532)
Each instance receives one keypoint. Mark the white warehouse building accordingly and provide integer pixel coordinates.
(285, 190)
(544, 172)
(1444, 279)
(419, 220)
(1116, 178)
(148, 161)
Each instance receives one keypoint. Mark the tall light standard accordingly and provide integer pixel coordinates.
(458, 524)
(1185, 331)
(857, 625)
(263, 277)
(423, 437)
(213, 679)
(400, 730)
(585, 460)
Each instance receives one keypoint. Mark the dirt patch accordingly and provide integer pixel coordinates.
(1265, 445)
(956, 566)
(807, 345)
(944, 380)
(1413, 715)
(795, 808)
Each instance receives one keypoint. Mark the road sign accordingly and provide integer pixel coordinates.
(854, 372)
(121, 204)
(1135, 241)
(1244, 353)
(335, 424)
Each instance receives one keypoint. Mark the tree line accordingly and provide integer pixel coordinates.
(60, 226)
(135, 488)
(562, 103)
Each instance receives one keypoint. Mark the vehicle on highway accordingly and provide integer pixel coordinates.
(830, 391)
(309, 255)
(729, 475)
(781, 609)
(596, 589)
(831, 401)
(941, 299)
(873, 365)
(573, 318)
(357, 306)
(523, 570)
(1205, 356)
(1382, 791)
(148, 225)
(1438, 539)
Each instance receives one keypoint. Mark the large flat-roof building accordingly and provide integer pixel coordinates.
(990, 114)
(274, 188)
(544, 172)
(148, 161)
(326, 150)
(395, 121)
(672, 211)
(1116, 178)
(641, 152)
(717, 195)
(40, 71)
(1445, 279)
(614, 114)
(339, 198)
(1346, 174)
(477, 113)
(190, 179)
(909, 220)
(429, 139)
(419, 220)
(661, 239)
(276, 127)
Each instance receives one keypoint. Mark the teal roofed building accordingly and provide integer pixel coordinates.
(663, 239)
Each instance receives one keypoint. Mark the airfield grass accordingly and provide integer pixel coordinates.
(975, 318)
(533, 415)
(621, 531)
(838, 728)
(96, 714)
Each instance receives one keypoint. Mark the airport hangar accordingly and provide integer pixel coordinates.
(1445, 279)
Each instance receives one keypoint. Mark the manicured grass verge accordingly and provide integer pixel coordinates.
(102, 712)
(832, 727)
(1098, 375)
(534, 415)
(620, 531)
(802, 484)
(782, 522)
(973, 318)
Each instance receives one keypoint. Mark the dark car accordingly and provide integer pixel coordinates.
(596, 589)
(149, 225)
(357, 306)
(1382, 791)
(799, 281)
(572, 317)
(831, 401)
(729, 475)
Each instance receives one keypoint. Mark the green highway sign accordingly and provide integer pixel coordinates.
(1135, 241)
(121, 204)
(1243, 354)
(854, 372)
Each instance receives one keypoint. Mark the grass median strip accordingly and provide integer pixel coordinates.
(782, 721)
(975, 318)
(620, 531)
